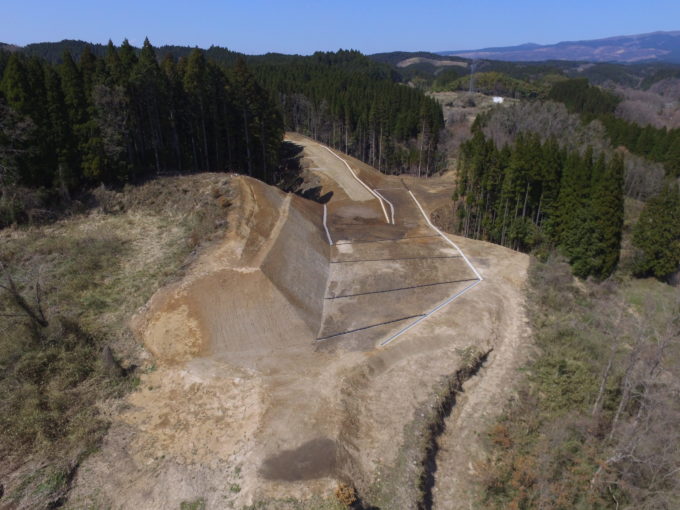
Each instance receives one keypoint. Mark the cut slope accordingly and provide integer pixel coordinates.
(297, 263)
(258, 291)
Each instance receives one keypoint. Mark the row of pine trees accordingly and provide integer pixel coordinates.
(126, 115)
(532, 195)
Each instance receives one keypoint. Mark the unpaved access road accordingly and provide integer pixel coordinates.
(271, 382)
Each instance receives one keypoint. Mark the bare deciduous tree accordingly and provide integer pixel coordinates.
(644, 453)
(642, 178)
(658, 107)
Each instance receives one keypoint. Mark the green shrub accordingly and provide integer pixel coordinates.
(554, 445)
(198, 504)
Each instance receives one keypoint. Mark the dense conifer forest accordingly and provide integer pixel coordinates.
(107, 114)
(657, 235)
(531, 195)
(349, 102)
(126, 115)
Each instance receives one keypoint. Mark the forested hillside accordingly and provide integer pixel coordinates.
(492, 82)
(521, 157)
(531, 194)
(657, 144)
(345, 100)
(125, 116)
(116, 114)
(516, 77)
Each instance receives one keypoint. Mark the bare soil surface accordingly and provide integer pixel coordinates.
(271, 382)
(437, 63)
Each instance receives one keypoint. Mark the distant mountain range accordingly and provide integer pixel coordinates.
(657, 46)
(661, 47)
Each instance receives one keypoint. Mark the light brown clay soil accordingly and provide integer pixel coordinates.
(271, 382)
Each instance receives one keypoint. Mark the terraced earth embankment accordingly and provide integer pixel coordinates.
(305, 349)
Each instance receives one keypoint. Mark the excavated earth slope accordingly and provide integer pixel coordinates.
(260, 292)
(300, 350)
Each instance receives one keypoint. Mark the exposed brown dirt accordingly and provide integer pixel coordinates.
(249, 404)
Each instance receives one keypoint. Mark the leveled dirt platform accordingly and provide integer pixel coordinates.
(271, 381)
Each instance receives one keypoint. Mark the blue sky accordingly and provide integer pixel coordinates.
(258, 26)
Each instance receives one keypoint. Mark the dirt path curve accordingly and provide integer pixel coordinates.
(325, 162)
(461, 446)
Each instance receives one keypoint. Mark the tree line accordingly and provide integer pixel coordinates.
(126, 115)
(489, 82)
(657, 235)
(531, 195)
(105, 114)
(657, 144)
(347, 101)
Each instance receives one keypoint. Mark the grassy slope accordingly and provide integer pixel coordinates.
(95, 270)
(548, 448)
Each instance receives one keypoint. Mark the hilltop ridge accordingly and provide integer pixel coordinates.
(655, 46)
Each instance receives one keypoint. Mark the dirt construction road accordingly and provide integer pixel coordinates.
(278, 370)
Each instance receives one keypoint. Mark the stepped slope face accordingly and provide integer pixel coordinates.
(302, 349)
(262, 290)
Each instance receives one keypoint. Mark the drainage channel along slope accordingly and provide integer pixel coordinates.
(369, 304)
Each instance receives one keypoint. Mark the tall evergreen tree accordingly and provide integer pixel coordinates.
(532, 195)
(114, 66)
(88, 69)
(247, 94)
(657, 235)
(575, 222)
(60, 137)
(15, 85)
(74, 90)
(148, 90)
(128, 59)
(196, 86)
(607, 217)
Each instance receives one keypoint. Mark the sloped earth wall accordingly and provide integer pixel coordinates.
(247, 406)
